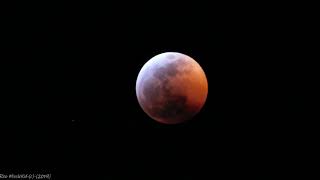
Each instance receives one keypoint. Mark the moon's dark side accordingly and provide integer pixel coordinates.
(171, 88)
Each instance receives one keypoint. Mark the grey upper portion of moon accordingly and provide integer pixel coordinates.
(162, 90)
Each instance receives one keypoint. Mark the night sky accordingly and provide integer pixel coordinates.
(71, 102)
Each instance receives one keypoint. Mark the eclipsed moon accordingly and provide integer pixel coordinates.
(171, 88)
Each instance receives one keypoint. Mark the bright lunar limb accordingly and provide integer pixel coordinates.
(171, 88)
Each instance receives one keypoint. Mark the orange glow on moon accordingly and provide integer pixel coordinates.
(171, 88)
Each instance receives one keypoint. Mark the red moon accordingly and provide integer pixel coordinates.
(171, 88)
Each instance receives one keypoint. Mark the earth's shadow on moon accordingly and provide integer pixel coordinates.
(160, 101)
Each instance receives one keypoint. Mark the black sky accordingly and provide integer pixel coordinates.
(71, 90)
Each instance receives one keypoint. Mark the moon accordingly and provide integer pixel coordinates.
(171, 88)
